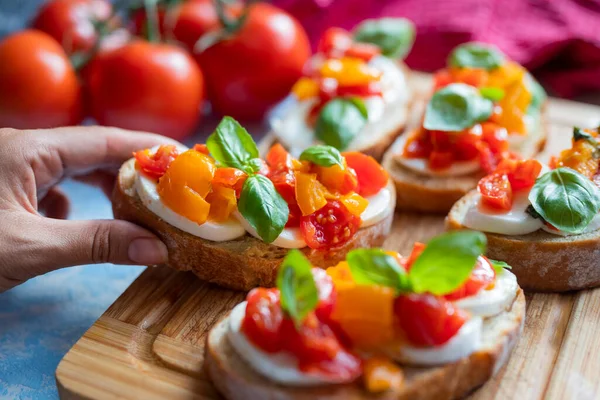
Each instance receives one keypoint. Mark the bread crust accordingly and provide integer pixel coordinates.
(241, 264)
(235, 380)
(542, 262)
(423, 193)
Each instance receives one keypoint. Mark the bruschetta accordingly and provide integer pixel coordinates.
(355, 94)
(230, 217)
(543, 221)
(483, 107)
(434, 325)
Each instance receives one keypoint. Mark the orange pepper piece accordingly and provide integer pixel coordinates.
(476, 77)
(305, 88)
(186, 183)
(310, 193)
(355, 203)
(349, 71)
(341, 276)
(222, 202)
(381, 374)
(337, 179)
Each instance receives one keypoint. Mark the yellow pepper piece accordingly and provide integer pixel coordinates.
(305, 88)
(222, 202)
(341, 276)
(505, 75)
(186, 183)
(514, 105)
(310, 193)
(349, 71)
(355, 203)
(381, 374)
(580, 158)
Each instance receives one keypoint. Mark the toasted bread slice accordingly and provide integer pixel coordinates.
(243, 263)
(235, 379)
(419, 192)
(542, 262)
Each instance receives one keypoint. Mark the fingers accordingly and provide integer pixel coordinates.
(55, 204)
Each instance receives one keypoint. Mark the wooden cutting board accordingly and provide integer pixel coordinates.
(149, 343)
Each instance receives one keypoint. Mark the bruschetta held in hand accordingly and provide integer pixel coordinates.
(231, 217)
(544, 222)
(434, 325)
(484, 107)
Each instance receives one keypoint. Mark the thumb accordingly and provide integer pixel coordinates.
(100, 241)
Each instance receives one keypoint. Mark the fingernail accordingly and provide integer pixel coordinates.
(147, 251)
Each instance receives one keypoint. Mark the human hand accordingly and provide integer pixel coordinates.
(32, 163)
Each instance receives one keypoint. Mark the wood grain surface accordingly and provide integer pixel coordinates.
(149, 343)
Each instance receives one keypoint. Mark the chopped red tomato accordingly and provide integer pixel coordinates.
(155, 165)
(201, 148)
(496, 191)
(263, 320)
(495, 136)
(330, 227)
(465, 146)
(482, 276)
(231, 178)
(285, 184)
(487, 159)
(371, 89)
(278, 158)
(364, 51)
(521, 173)
(442, 78)
(418, 146)
(294, 216)
(428, 320)
(327, 294)
(371, 176)
(440, 159)
(418, 248)
(334, 39)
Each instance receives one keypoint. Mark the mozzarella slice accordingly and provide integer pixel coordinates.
(217, 232)
(514, 222)
(289, 238)
(466, 341)
(279, 367)
(380, 206)
(487, 303)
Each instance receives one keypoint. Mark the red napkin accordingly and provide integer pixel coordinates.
(558, 39)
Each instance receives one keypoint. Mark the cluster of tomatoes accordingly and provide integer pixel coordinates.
(151, 68)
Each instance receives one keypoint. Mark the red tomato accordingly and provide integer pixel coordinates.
(418, 146)
(38, 86)
(440, 159)
(147, 86)
(482, 276)
(496, 191)
(201, 148)
(294, 216)
(428, 320)
(279, 158)
(465, 147)
(285, 184)
(521, 173)
(372, 89)
(230, 177)
(371, 176)
(330, 227)
(495, 136)
(442, 78)
(338, 42)
(251, 70)
(415, 253)
(71, 22)
(156, 165)
(327, 294)
(364, 51)
(263, 319)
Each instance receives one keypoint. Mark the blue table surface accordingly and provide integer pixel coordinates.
(41, 319)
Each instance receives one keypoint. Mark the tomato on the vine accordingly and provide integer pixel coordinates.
(370, 174)
(253, 68)
(147, 86)
(330, 227)
(71, 22)
(496, 191)
(156, 165)
(38, 86)
(428, 320)
(483, 275)
(263, 319)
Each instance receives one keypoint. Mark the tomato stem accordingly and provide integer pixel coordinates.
(152, 29)
(231, 25)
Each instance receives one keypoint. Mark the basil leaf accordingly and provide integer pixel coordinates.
(476, 55)
(231, 145)
(447, 262)
(263, 208)
(325, 156)
(375, 267)
(579, 134)
(492, 93)
(340, 121)
(499, 266)
(299, 295)
(252, 166)
(534, 214)
(456, 107)
(565, 199)
(394, 36)
(538, 94)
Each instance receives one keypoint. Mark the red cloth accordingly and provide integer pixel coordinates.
(558, 39)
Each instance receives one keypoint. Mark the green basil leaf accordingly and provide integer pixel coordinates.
(231, 145)
(499, 266)
(263, 208)
(534, 214)
(375, 267)
(456, 107)
(538, 94)
(476, 55)
(325, 156)
(492, 93)
(299, 295)
(340, 120)
(565, 199)
(579, 134)
(252, 166)
(394, 36)
(447, 262)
